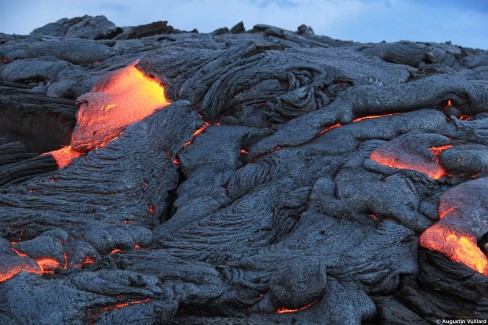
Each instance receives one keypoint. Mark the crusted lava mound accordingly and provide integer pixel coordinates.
(152, 175)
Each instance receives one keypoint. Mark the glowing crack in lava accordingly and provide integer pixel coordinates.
(18, 267)
(285, 310)
(400, 160)
(117, 100)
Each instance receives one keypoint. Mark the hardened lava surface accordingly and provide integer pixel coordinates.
(155, 176)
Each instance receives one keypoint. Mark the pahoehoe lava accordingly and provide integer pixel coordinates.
(150, 175)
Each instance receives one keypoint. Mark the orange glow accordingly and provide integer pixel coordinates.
(134, 302)
(371, 116)
(16, 251)
(137, 246)
(151, 208)
(115, 251)
(372, 216)
(15, 270)
(176, 161)
(444, 212)
(437, 150)
(392, 161)
(465, 117)
(48, 265)
(449, 103)
(245, 152)
(18, 268)
(117, 100)
(266, 153)
(5, 60)
(284, 310)
(64, 156)
(197, 132)
(87, 260)
(330, 128)
(458, 247)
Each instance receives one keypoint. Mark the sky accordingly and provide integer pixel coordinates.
(463, 22)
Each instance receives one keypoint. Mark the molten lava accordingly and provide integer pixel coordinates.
(197, 132)
(449, 103)
(437, 150)
(128, 303)
(87, 260)
(285, 310)
(64, 156)
(329, 128)
(372, 216)
(395, 159)
(48, 265)
(117, 100)
(371, 117)
(458, 247)
(15, 270)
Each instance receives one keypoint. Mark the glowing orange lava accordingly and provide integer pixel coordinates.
(372, 216)
(371, 117)
(134, 302)
(16, 251)
(64, 156)
(197, 132)
(87, 260)
(393, 161)
(329, 128)
(445, 211)
(15, 270)
(115, 251)
(285, 310)
(117, 100)
(48, 265)
(437, 150)
(458, 247)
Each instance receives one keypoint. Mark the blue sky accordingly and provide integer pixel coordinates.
(464, 22)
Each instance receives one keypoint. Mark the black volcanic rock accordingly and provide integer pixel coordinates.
(154, 28)
(293, 179)
(98, 27)
(238, 28)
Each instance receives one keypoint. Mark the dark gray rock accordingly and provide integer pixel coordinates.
(87, 27)
(238, 28)
(288, 182)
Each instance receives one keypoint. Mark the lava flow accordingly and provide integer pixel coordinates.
(117, 100)
(285, 310)
(458, 247)
(395, 159)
